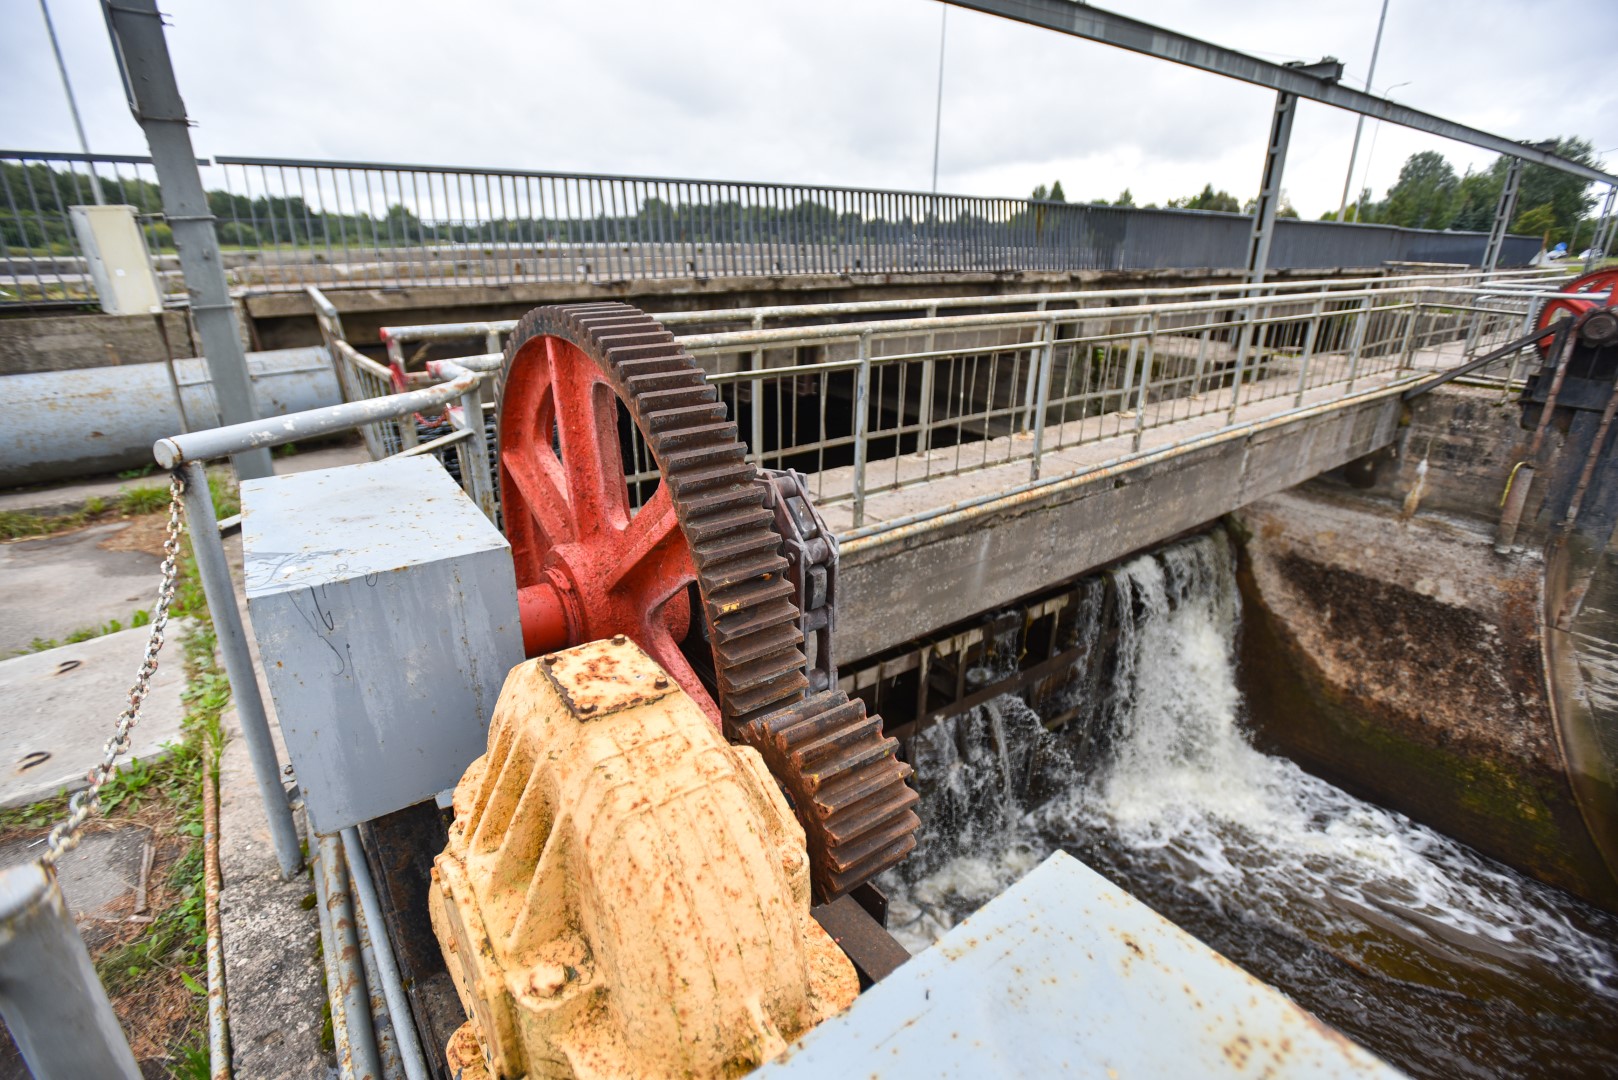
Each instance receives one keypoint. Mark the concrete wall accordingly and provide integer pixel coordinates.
(36, 343)
(1388, 648)
(899, 586)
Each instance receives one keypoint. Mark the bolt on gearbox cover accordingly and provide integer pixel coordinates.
(624, 893)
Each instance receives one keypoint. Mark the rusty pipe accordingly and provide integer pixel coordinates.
(1515, 498)
(219, 1063)
(345, 974)
(1594, 455)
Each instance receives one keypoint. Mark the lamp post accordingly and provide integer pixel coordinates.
(1359, 213)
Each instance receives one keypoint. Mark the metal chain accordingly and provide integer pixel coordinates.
(67, 833)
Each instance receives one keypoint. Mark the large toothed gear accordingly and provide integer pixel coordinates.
(624, 893)
(699, 564)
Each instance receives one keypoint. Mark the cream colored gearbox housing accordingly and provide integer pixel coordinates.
(623, 892)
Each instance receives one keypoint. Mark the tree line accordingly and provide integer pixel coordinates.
(1429, 194)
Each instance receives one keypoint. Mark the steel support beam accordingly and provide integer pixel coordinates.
(1504, 210)
(1095, 24)
(1269, 188)
(136, 29)
(1601, 242)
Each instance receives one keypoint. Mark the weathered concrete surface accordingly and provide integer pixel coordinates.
(59, 584)
(906, 583)
(89, 339)
(62, 703)
(1400, 658)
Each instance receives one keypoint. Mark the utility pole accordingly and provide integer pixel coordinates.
(938, 108)
(1359, 122)
(72, 103)
(136, 28)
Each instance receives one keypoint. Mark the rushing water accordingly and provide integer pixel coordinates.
(1443, 961)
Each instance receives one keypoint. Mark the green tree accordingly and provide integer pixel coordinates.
(1539, 221)
(1057, 195)
(1209, 199)
(1426, 193)
(1040, 194)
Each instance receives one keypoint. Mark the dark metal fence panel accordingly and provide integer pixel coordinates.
(286, 223)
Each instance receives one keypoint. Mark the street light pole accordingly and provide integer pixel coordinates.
(1359, 123)
(1365, 177)
(938, 108)
(72, 103)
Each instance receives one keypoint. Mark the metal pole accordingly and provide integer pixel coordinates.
(1359, 121)
(56, 1008)
(349, 993)
(862, 397)
(1047, 363)
(72, 102)
(359, 873)
(136, 29)
(938, 108)
(227, 624)
(1503, 212)
(1603, 233)
(1269, 191)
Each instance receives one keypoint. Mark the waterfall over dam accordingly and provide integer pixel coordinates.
(1442, 960)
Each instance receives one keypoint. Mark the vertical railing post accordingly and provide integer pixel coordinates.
(1147, 355)
(862, 394)
(232, 637)
(1308, 350)
(475, 452)
(1030, 389)
(757, 391)
(1042, 376)
(1243, 341)
(1357, 342)
(1407, 349)
(53, 1003)
(924, 409)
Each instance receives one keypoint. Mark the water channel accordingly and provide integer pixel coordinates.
(1443, 961)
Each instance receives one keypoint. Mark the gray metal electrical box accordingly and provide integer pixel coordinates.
(385, 608)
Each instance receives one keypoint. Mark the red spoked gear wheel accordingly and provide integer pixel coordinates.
(1602, 285)
(589, 566)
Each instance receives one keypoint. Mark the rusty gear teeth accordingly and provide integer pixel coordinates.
(843, 775)
(847, 787)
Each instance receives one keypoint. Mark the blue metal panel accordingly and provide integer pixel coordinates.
(1064, 973)
(385, 609)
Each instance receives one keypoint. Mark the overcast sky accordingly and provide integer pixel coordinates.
(831, 91)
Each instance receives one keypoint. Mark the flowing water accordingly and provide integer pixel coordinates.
(1443, 961)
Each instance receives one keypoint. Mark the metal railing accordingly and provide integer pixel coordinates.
(286, 223)
(870, 406)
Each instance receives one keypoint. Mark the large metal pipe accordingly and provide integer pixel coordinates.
(98, 420)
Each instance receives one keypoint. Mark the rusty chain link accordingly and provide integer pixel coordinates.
(65, 835)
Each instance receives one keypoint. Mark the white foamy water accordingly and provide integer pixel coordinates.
(1185, 798)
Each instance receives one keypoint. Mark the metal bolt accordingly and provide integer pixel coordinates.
(660, 683)
(588, 706)
(548, 660)
(619, 639)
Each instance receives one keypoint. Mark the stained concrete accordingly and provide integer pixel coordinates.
(57, 585)
(62, 704)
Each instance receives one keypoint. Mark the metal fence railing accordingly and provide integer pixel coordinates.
(290, 223)
(874, 405)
